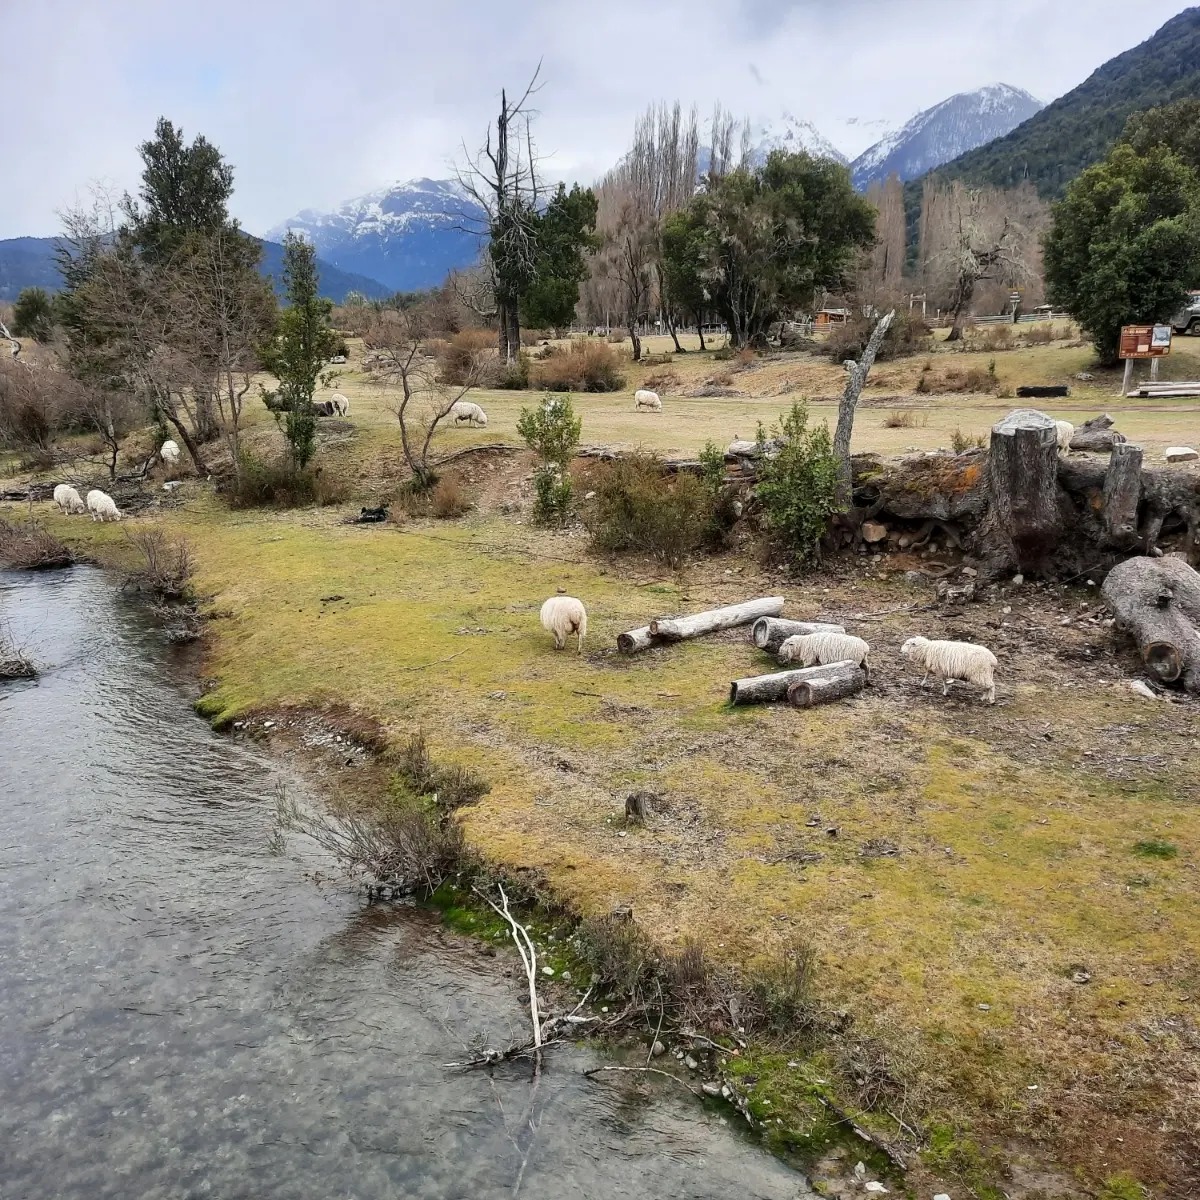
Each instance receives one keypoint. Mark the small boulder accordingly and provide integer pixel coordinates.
(1175, 454)
(873, 531)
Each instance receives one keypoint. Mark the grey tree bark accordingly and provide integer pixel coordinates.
(808, 693)
(678, 629)
(1157, 601)
(857, 373)
(763, 689)
(769, 633)
(1122, 495)
(1096, 435)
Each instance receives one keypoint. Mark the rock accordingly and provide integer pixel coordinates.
(1174, 454)
(590, 496)
(873, 531)
(658, 1050)
(711, 1089)
(172, 484)
(1083, 377)
(1143, 689)
(860, 1170)
(1081, 975)
(1017, 580)
(941, 1196)
(691, 1063)
(875, 1189)
(548, 971)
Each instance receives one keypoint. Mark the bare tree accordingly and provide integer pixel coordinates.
(883, 270)
(856, 380)
(502, 179)
(396, 341)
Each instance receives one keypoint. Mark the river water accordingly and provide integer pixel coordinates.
(184, 1014)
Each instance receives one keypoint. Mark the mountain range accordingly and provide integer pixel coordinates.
(29, 262)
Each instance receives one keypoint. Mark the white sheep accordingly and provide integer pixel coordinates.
(169, 453)
(464, 412)
(563, 616)
(951, 661)
(809, 649)
(102, 506)
(341, 406)
(645, 399)
(1066, 431)
(68, 499)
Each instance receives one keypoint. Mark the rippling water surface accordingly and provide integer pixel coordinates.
(183, 1014)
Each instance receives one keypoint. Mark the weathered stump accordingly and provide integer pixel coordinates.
(769, 633)
(808, 693)
(1023, 522)
(1122, 495)
(762, 689)
(1157, 601)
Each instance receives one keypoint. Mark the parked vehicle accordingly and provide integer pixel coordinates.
(1187, 320)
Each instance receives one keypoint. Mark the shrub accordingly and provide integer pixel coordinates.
(905, 418)
(991, 338)
(797, 486)
(744, 358)
(639, 508)
(778, 992)
(31, 547)
(961, 442)
(1039, 335)
(278, 484)
(447, 499)
(14, 662)
(586, 365)
(458, 358)
(165, 566)
(551, 431)
(662, 382)
(511, 377)
(907, 335)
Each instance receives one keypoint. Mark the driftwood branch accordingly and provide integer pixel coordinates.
(528, 958)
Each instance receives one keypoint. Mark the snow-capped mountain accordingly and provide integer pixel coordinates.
(942, 133)
(793, 134)
(408, 236)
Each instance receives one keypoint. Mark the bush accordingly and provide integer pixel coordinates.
(551, 431)
(908, 335)
(447, 499)
(165, 566)
(778, 993)
(1039, 335)
(662, 382)
(511, 377)
(278, 484)
(31, 547)
(639, 508)
(797, 487)
(961, 443)
(991, 338)
(458, 358)
(905, 418)
(586, 365)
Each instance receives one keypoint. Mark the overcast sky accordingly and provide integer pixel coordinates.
(314, 103)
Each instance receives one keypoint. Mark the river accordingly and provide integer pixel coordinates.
(185, 1014)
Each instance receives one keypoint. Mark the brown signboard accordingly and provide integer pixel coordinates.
(1145, 341)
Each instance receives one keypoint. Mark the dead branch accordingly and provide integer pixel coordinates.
(528, 955)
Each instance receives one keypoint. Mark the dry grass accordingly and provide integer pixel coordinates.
(164, 565)
(905, 418)
(583, 365)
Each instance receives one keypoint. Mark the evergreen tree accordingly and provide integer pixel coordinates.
(562, 236)
(33, 314)
(303, 345)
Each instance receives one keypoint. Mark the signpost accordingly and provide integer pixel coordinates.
(1143, 341)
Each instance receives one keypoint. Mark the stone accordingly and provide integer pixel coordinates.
(970, 572)
(658, 1050)
(873, 531)
(711, 1089)
(875, 1189)
(1143, 689)
(1174, 454)
(1018, 580)
(549, 971)
(941, 1196)
(691, 1063)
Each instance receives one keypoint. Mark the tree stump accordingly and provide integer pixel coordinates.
(1122, 495)
(769, 633)
(808, 693)
(1157, 601)
(762, 689)
(1023, 523)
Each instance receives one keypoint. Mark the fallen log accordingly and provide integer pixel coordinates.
(636, 640)
(808, 693)
(1157, 601)
(1096, 436)
(762, 689)
(678, 629)
(769, 633)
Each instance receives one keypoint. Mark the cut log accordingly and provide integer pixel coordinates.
(637, 640)
(678, 629)
(1122, 495)
(763, 689)
(769, 633)
(1043, 392)
(1157, 601)
(1096, 436)
(1023, 519)
(808, 693)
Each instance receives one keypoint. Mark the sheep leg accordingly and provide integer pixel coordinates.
(866, 664)
(580, 643)
(925, 679)
(946, 687)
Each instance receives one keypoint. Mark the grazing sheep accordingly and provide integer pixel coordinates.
(68, 499)
(341, 406)
(810, 649)
(1066, 431)
(102, 506)
(169, 453)
(951, 661)
(644, 399)
(465, 413)
(563, 616)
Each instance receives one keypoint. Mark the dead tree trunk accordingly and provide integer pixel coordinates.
(1023, 522)
(1096, 435)
(769, 633)
(1122, 495)
(678, 629)
(762, 689)
(808, 693)
(857, 373)
(1157, 601)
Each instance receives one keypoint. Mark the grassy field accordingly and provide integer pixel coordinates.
(1009, 908)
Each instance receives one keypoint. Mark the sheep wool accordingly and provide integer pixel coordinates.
(102, 506)
(646, 399)
(563, 616)
(464, 412)
(811, 649)
(1066, 431)
(169, 452)
(68, 499)
(951, 661)
(341, 406)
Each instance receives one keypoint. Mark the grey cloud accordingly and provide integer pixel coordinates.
(314, 104)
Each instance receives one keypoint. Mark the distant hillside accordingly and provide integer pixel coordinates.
(29, 262)
(943, 132)
(1078, 129)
